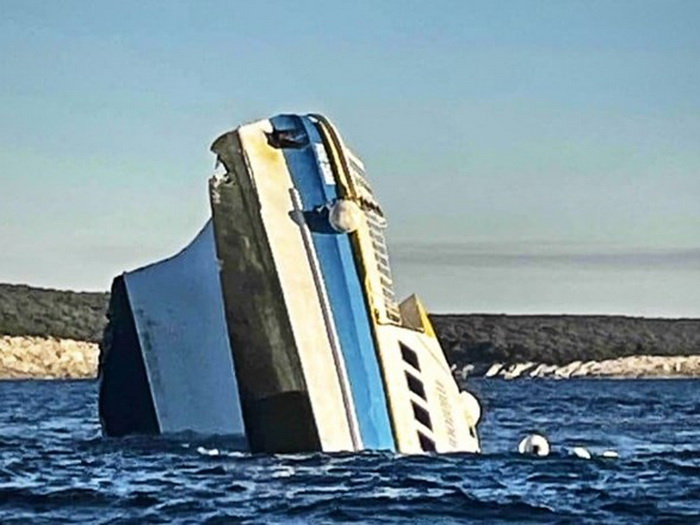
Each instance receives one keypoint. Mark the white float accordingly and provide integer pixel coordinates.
(535, 444)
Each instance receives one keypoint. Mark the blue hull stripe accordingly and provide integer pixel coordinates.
(345, 292)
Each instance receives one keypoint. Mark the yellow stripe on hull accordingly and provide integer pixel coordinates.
(361, 238)
(411, 391)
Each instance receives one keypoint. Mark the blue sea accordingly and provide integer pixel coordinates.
(55, 467)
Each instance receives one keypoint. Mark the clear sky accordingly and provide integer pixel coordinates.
(532, 156)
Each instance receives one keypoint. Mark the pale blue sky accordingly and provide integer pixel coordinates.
(534, 156)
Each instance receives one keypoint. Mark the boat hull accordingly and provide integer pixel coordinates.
(308, 165)
(278, 324)
(173, 328)
(291, 390)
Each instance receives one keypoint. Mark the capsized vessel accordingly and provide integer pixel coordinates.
(278, 325)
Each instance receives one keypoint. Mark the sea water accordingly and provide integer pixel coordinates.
(55, 467)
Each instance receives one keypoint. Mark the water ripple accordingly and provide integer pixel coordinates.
(55, 466)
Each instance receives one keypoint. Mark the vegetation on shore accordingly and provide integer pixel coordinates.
(466, 339)
(562, 339)
(29, 311)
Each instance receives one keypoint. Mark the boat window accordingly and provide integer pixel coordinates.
(421, 415)
(409, 356)
(427, 444)
(415, 385)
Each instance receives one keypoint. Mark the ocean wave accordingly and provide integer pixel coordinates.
(54, 466)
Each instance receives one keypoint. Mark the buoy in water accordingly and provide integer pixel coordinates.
(535, 444)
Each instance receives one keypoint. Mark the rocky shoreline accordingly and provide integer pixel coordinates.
(632, 367)
(27, 357)
(47, 358)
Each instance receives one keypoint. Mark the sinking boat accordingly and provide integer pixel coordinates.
(278, 324)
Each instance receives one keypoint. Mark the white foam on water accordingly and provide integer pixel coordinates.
(208, 451)
(581, 452)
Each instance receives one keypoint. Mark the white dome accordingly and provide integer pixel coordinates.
(345, 216)
(472, 408)
(534, 444)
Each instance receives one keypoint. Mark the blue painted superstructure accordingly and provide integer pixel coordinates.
(308, 165)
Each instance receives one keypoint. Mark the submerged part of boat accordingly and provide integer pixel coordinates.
(278, 325)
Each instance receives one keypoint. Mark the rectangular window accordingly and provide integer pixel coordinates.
(409, 356)
(427, 444)
(416, 386)
(421, 415)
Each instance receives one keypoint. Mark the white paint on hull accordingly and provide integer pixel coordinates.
(273, 183)
(452, 425)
